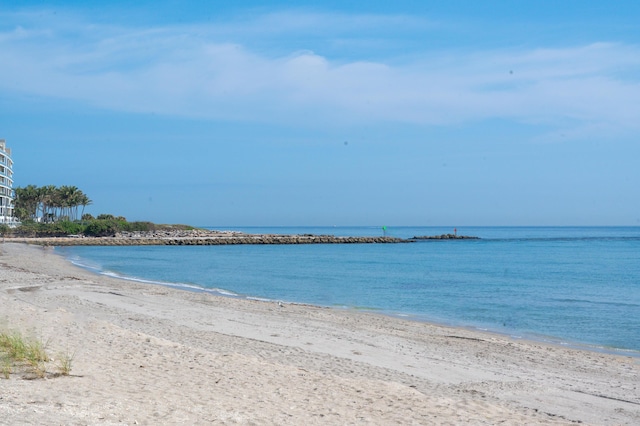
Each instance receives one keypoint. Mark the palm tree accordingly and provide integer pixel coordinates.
(49, 200)
(71, 199)
(84, 201)
(26, 202)
(65, 198)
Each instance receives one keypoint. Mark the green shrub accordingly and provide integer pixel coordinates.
(57, 229)
(102, 228)
(105, 225)
(31, 229)
(69, 228)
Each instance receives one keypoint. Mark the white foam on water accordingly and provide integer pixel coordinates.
(82, 263)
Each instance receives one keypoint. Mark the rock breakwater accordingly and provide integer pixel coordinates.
(201, 238)
(443, 237)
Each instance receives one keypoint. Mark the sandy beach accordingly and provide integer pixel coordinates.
(148, 354)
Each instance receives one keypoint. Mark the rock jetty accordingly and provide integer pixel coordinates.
(199, 237)
(203, 237)
(443, 237)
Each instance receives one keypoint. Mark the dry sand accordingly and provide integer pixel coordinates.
(147, 354)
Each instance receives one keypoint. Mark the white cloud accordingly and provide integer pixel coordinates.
(190, 71)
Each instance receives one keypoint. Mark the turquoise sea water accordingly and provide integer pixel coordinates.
(577, 286)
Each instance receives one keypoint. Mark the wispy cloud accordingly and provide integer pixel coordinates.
(204, 71)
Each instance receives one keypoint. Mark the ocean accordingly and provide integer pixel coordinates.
(577, 286)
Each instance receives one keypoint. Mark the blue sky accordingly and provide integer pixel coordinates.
(329, 113)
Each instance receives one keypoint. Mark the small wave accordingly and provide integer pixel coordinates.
(135, 279)
(197, 288)
(595, 302)
(85, 265)
(181, 286)
(260, 299)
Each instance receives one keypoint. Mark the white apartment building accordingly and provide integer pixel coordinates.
(6, 185)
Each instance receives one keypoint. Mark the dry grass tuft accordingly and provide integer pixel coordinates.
(65, 360)
(27, 356)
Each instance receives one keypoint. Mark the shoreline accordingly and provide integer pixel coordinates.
(510, 334)
(155, 354)
(402, 316)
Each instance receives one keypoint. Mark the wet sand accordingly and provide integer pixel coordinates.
(148, 354)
